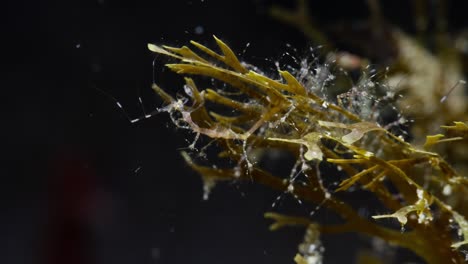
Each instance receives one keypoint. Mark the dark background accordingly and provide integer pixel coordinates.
(81, 184)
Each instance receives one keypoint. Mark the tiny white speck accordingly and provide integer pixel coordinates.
(137, 169)
(447, 190)
(420, 193)
(199, 29)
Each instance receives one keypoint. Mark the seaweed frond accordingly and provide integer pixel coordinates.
(247, 113)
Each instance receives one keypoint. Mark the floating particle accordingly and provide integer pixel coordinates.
(199, 29)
